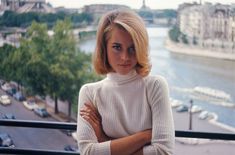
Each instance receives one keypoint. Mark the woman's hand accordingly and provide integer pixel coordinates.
(91, 115)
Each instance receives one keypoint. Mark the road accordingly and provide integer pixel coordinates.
(35, 138)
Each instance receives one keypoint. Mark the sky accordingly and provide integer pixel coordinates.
(134, 4)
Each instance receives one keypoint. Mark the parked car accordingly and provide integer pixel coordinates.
(74, 135)
(8, 116)
(6, 86)
(73, 148)
(5, 140)
(182, 108)
(30, 104)
(175, 103)
(11, 91)
(2, 82)
(40, 111)
(67, 132)
(5, 100)
(196, 108)
(206, 115)
(19, 96)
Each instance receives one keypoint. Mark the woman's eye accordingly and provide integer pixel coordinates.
(116, 47)
(131, 50)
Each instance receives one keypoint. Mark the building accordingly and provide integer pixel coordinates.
(23, 6)
(209, 25)
(68, 10)
(99, 9)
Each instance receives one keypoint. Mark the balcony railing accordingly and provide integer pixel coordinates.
(73, 126)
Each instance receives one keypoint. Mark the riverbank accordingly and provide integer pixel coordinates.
(195, 146)
(196, 51)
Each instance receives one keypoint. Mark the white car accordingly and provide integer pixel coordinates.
(41, 111)
(196, 109)
(206, 115)
(175, 103)
(30, 104)
(74, 135)
(5, 100)
(6, 86)
(6, 140)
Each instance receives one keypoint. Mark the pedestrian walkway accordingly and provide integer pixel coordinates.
(198, 146)
(59, 116)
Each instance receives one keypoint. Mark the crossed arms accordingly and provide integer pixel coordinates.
(132, 144)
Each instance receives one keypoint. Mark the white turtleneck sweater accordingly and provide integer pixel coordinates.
(127, 104)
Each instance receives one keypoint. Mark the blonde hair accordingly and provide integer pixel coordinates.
(134, 25)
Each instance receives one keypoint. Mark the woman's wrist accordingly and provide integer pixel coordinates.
(103, 138)
(146, 136)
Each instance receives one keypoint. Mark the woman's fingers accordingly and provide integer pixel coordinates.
(90, 116)
(90, 108)
(93, 108)
(89, 120)
(89, 112)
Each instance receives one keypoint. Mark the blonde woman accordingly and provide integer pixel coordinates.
(128, 112)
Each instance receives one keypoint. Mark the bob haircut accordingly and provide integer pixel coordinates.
(132, 24)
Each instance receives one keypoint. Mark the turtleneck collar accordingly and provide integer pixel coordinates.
(122, 79)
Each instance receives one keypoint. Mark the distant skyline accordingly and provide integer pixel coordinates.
(134, 4)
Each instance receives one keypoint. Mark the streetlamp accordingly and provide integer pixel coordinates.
(190, 114)
(233, 35)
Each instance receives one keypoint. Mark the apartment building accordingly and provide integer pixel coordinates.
(23, 6)
(211, 25)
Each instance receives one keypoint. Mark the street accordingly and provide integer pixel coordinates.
(36, 138)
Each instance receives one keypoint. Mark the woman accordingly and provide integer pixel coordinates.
(128, 112)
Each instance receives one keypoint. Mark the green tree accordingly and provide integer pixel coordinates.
(67, 66)
(145, 14)
(13, 19)
(6, 53)
(33, 52)
(48, 65)
(61, 51)
(166, 13)
(195, 41)
(82, 18)
(174, 34)
(184, 38)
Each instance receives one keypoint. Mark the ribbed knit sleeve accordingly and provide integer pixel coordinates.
(87, 140)
(163, 134)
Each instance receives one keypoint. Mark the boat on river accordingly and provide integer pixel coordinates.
(212, 93)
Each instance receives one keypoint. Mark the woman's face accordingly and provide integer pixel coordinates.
(121, 51)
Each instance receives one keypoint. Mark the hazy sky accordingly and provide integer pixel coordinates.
(153, 4)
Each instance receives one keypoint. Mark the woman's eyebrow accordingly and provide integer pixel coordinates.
(116, 43)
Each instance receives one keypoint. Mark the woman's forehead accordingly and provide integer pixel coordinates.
(120, 36)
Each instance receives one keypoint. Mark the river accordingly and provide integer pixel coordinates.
(184, 73)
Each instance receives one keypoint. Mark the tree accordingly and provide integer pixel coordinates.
(68, 65)
(36, 68)
(48, 65)
(166, 13)
(184, 38)
(62, 47)
(195, 42)
(5, 58)
(174, 34)
(13, 19)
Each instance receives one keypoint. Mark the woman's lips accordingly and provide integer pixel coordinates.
(125, 65)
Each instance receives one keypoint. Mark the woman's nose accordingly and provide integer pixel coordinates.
(125, 55)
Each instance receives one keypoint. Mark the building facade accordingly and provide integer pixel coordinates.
(210, 25)
(23, 6)
(99, 9)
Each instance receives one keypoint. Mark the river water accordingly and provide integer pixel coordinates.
(184, 73)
